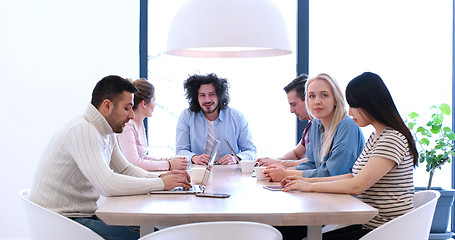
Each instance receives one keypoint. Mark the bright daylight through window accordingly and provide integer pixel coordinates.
(408, 43)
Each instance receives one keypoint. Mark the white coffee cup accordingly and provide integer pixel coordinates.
(260, 173)
(196, 174)
(247, 166)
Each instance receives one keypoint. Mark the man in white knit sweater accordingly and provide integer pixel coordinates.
(83, 161)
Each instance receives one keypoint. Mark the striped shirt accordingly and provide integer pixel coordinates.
(392, 195)
(82, 161)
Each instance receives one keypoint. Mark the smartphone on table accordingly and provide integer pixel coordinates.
(274, 187)
(213, 195)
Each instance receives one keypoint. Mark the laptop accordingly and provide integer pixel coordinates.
(205, 179)
(232, 150)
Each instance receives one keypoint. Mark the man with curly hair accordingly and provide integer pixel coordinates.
(208, 118)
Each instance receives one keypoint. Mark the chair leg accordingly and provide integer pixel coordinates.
(315, 232)
(147, 230)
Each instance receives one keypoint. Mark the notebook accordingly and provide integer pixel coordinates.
(205, 179)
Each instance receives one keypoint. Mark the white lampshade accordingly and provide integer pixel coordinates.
(228, 28)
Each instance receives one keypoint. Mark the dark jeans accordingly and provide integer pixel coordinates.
(109, 232)
(353, 232)
(292, 232)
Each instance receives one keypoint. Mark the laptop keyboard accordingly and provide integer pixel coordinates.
(195, 188)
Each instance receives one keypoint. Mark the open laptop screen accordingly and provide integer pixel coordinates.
(208, 170)
(205, 179)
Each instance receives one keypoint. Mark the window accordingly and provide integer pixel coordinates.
(408, 43)
(256, 86)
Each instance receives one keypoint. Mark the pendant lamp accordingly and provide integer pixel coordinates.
(228, 29)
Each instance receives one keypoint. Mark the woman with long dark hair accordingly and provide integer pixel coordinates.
(382, 176)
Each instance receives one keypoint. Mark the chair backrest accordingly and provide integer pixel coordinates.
(47, 225)
(217, 230)
(413, 225)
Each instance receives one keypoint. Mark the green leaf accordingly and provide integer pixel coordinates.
(436, 128)
(413, 115)
(451, 136)
(439, 118)
(424, 132)
(424, 141)
(445, 108)
(431, 122)
(447, 129)
(436, 142)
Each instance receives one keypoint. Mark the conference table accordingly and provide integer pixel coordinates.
(248, 201)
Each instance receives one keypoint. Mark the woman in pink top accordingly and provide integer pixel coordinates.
(132, 140)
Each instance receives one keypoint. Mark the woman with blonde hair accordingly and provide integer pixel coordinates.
(133, 141)
(382, 176)
(335, 141)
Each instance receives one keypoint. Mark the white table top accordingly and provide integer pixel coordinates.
(249, 201)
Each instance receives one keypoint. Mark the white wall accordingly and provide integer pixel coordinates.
(52, 53)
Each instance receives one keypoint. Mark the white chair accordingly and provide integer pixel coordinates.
(48, 225)
(217, 230)
(413, 225)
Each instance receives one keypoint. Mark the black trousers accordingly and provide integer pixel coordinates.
(352, 232)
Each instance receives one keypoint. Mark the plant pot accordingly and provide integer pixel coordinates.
(442, 213)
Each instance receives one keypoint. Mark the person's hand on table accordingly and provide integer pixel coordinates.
(178, 163)
(227, 159)
(275, 173)
(295, 183)
(288, 179)
(267, 161)
(176, 178)
(200, 159)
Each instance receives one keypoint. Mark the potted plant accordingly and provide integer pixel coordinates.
(434, 143)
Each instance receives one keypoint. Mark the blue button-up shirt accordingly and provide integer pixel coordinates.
(191, 134)
(346, 147)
